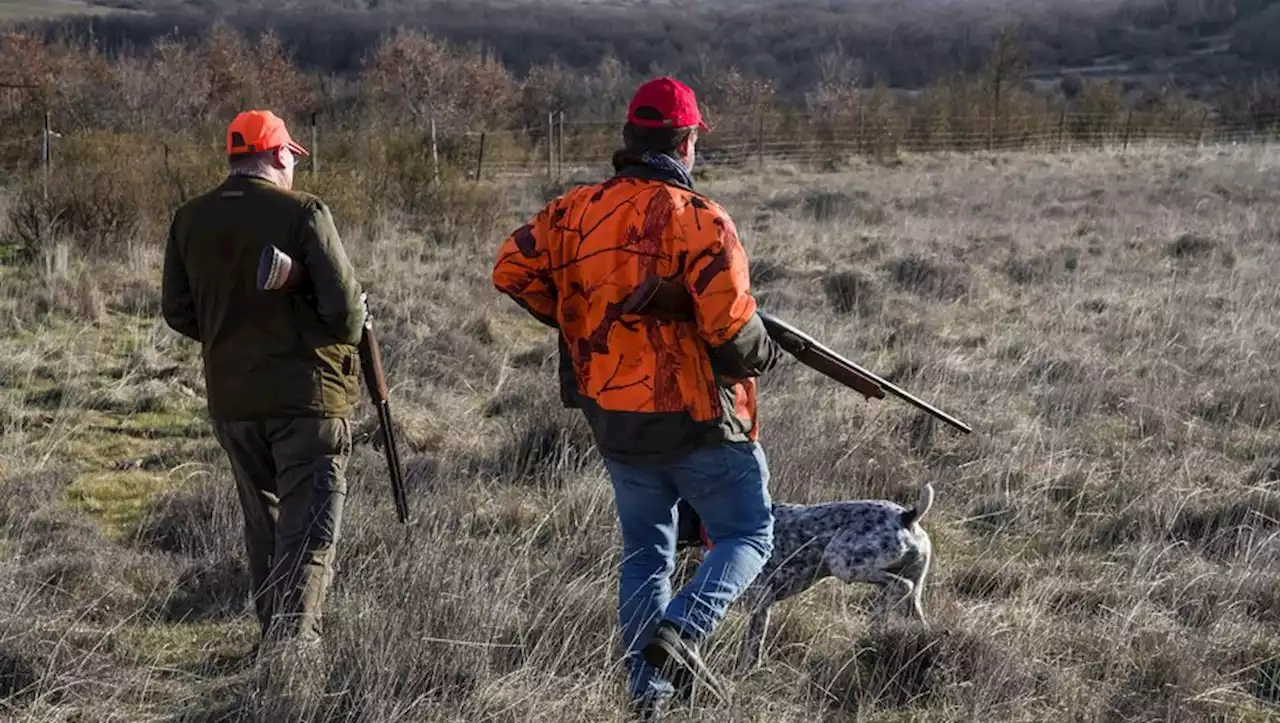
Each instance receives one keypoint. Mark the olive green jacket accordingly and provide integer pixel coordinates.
(266, 354)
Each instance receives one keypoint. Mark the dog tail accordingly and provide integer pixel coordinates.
(923, 503)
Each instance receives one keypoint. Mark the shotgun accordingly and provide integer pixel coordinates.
(669, 300)
(278, 272)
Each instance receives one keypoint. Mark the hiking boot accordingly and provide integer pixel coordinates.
(677, 660)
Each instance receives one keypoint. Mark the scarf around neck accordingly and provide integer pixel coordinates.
(668, 165)
(652, 164)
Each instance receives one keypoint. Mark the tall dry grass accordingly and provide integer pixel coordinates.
(1106, 538)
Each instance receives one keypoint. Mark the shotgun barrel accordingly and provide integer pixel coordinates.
(667, 299)
(814, 354)
(278, 272)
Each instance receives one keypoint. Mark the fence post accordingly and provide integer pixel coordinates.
(862, 129)
(1204, 123)
(435, 156)
(480, 158)
(315, 147)
(760, 139)
(1062, 127)
(46, 154)
(551, 144)
(560, 149)
(1128, 126)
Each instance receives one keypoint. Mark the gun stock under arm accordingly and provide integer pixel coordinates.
(669, 300)
(815, 356)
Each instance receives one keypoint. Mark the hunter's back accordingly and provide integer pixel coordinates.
(266, 354)
(587, 262)
(609, 240)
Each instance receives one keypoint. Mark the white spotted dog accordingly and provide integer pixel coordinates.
(872, 541)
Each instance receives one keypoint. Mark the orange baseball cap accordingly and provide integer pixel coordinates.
(254, 131)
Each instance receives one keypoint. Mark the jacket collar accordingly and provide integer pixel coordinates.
(652, 167)
(242, 180)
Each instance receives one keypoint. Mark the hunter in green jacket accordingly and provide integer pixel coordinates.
(281, 370)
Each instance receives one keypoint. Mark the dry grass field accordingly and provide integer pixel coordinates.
(1106, 539)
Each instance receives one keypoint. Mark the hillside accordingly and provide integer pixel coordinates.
(1194, 45)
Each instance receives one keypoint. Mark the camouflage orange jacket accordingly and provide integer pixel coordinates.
(651, 388)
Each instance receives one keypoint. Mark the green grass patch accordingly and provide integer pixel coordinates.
(116, 499)
(161, 425)
(9, 253)
(186, 646)
(99, 449)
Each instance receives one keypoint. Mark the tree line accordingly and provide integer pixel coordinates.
(142, 127)
(901, 43)
(411, 80)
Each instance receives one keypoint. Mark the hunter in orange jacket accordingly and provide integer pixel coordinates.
(671, 401)
(651, 387)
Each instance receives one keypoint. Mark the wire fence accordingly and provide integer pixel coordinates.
(564, 147)
(586, 145)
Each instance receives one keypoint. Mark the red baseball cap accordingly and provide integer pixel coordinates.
(254, 131)
(665, 103)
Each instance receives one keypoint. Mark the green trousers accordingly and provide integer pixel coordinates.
(291, 479)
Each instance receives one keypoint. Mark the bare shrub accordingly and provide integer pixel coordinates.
(1084, 600)
(200, 520)
(211, 589)
(913, 668)
(852, 292)
(989, 579)
(826, 206)
(1042, 268)
(35, 223)
(1251, 403)
(1190, 245)
(766, 271)
(1163, 687)
(19, 675)
(1228, 528)
(995, 516)
(545, 449)
(422, 78)
(90, 213)
(928, 278)
(1265, 685)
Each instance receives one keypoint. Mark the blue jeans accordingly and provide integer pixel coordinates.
(728, 485)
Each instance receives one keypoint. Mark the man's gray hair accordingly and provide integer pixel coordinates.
(252, 164)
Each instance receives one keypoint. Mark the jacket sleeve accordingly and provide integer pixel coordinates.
(523, 271)
(337, 291)
(724, 309)
(176, 300)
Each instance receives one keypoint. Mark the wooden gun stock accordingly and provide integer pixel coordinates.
(814, 354)
(669, 300)
(376, 382)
